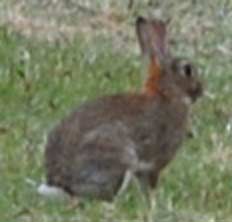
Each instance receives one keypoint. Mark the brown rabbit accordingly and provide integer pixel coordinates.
(89, 153)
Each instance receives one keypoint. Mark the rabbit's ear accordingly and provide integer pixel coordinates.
(152, 38)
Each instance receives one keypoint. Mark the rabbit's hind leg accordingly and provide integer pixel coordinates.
(125, 183)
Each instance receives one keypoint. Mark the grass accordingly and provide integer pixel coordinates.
(42, 81)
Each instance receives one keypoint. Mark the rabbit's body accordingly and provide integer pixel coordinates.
(122, 132)
(89, 153)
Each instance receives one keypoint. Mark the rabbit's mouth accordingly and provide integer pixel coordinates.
(196, 92)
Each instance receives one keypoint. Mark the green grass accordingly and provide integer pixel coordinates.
(41, 82)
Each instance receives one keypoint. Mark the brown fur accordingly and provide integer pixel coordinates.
(89, 152)
(151, 86)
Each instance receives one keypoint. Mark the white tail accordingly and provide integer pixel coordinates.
(52, 192)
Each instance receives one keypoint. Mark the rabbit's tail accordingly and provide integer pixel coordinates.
(52, 192)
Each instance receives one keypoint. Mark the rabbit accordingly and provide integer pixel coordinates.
(89, 153)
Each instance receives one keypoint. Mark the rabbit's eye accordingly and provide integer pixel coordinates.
(187, 68)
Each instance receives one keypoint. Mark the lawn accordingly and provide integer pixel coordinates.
(47, 69)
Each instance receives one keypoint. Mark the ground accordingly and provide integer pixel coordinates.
(58, 54)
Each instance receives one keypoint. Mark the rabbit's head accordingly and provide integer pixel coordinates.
(167, 74)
